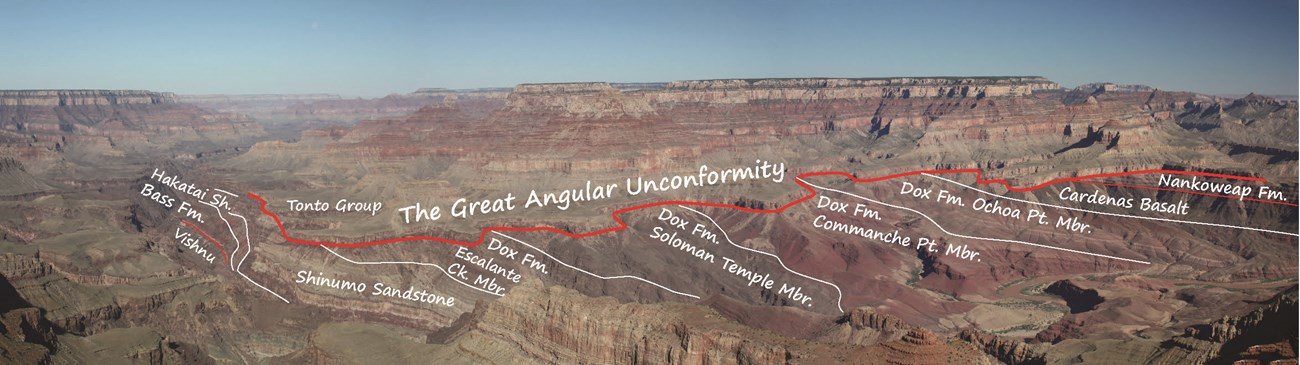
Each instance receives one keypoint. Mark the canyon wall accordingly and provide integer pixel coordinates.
(83, 97)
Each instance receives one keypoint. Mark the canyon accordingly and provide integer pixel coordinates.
(92, 270)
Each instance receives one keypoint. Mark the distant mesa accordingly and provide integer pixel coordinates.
(1033, 82)
(589, 100)
(805, 88)
(634, 86)
(1108, 87)
(83, 97)
(564, 87)
(1037, 82)
(432, 91)
(447, 95)
(244, 98)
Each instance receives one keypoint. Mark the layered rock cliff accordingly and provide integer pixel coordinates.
(901, 307)
(807, 89)
(44, 129)
(11, 98)
(1264, 334)
(556, 325)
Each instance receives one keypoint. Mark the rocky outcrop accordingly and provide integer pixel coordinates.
(557, 325)
(1264, 335)
(1271, 325)
(135, 345)
(890, 327)
(861, 326)
(25, 335)
(76, 304)
(1246, 129)
(1010, 351)
(571, 328)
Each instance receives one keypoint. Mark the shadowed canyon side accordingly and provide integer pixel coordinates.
(917, 220)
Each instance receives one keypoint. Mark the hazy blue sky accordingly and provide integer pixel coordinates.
(370, 49)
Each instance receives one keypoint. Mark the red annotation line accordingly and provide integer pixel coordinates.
(205, 235)
(1233, 197)
(798, 180)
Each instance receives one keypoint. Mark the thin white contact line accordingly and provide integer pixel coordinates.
(936, 224)
(778, 258)
(238, 267)
(444, 271)
(232, 232)
(594, 275)
(1115, 214)
(250, 248)
(250, 242)
(227, 192)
